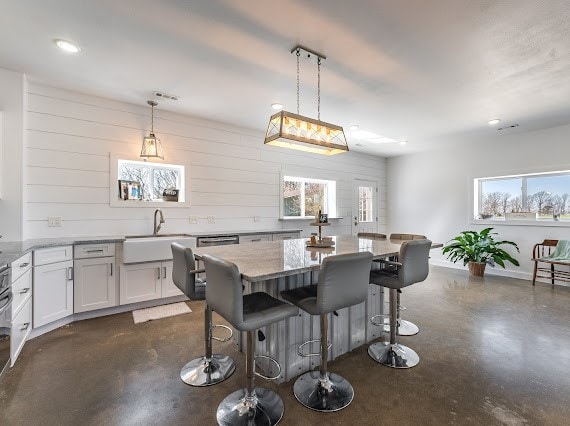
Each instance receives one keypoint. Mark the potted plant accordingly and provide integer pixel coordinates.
(477, 249)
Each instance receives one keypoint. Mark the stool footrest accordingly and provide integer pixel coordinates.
(308, 342)
(273, 360)
(378, 324)
(227, 328)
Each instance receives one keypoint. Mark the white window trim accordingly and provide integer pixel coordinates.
(310, 177)
(115, 201)
(474, 191)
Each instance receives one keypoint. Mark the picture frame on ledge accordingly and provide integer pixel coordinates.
(323, 218)
(129, 190)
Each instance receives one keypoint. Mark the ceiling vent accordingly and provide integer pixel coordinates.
(163, 95)
(512, 126)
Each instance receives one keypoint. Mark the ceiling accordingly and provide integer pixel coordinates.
(432, 73)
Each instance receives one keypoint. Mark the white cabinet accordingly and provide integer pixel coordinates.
(286, 236)
(94, 284)
(146, 281)
(53, 284)
(254, 238)
(21, 304)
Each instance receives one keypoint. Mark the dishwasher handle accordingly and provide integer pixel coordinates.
(218, 240)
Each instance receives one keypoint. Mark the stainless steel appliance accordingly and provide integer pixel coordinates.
(5, 316)
(218, 240)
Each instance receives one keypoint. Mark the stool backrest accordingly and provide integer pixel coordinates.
(182, 262)
(224, 292)
(343, 281)
(407, 237)
(414, 256)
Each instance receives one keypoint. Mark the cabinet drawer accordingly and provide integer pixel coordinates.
(52, 255)
(84, 251)
(20, 266)
(21, 327)
(21, 289)
(285, 236)
(254, 238)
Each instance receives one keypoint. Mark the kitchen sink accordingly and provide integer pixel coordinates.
(150, 248)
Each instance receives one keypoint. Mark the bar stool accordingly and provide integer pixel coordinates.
(343, 281)
(413, 267)
(403, 327)
(252, 405)
(210, 368)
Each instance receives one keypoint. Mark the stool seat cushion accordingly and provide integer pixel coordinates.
(261, 309)
(386, 278)
(304, 297)
(200, 290)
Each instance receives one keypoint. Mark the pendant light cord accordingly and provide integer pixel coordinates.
(152, 119)
(319, 89)
(298, 59)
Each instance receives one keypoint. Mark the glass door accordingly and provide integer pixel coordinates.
(365, 206)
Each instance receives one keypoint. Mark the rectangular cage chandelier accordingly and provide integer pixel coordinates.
(295, 131)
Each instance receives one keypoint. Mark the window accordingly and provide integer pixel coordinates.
(150, 180)
(365, 200)
(541, 196)
(303, 197)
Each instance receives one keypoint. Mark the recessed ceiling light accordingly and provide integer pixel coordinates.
(66, 46)
(494, 122)
(403, 142)
(354, 127)
(277, 106)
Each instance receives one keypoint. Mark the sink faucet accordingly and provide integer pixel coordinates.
(157, 226)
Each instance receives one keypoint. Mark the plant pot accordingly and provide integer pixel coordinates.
(477, 268)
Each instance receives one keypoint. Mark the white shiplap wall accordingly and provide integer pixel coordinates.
(233, 176)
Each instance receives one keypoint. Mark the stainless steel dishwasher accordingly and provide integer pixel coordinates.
(218, 240)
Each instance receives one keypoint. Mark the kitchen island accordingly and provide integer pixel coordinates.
(275, 266)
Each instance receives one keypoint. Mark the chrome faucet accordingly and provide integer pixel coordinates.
(157, 226)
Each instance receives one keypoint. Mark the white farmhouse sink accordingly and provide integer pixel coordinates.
(153, 248)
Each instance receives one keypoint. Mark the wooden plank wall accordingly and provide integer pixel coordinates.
(233, 176)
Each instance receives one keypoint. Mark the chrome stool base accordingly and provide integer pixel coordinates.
(393, 355)
(404, 328)
(200, 372)
(327, 395)
(264, 407)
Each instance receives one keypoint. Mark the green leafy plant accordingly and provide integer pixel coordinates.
(472, 246)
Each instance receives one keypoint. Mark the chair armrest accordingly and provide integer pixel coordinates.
(196, 271)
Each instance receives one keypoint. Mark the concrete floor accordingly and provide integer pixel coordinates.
(493, 351)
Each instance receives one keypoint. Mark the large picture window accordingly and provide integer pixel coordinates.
(542, 195)
(303, 197)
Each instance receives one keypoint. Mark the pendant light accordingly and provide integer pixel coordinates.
(303, 133)
(151, 147)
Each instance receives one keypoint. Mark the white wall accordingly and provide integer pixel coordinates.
(12, 87)
(234, 177)
(430, 193)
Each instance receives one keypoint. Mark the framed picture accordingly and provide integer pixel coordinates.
(323, 218)
(129, 190)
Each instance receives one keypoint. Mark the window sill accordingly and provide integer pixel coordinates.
(311, 218)
(538, 222)
(142, 204)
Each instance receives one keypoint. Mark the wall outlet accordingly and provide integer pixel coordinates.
(256, 219)
(211, 219)
(54, 221)
(193, 219)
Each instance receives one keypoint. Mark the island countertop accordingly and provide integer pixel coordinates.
(275, 259)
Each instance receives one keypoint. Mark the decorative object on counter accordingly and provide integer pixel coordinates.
(302, 133)
(323, 217)
(170, 194)
(129, 190)
(520, 216)
(477, 249)
(321, 241)
(157, 312)
(151, 147)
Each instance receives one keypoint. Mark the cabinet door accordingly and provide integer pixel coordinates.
(53, 292)
(254, 238)
(169, 289)
(140, 282)
(94, 284)
(21, 327)
(285, 236)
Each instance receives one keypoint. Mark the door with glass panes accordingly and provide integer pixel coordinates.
(364, 206)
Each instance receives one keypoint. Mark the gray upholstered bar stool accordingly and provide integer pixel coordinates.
(210, 368)
(343, 281)
(412, 267)
(404, 327)
(253, 405)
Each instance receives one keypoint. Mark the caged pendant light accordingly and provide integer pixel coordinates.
(303, 133)
(151, 146)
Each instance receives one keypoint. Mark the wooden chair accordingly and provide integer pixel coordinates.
(546, 248)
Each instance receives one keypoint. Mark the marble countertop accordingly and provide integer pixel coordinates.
(12, 250)
(275, 259)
